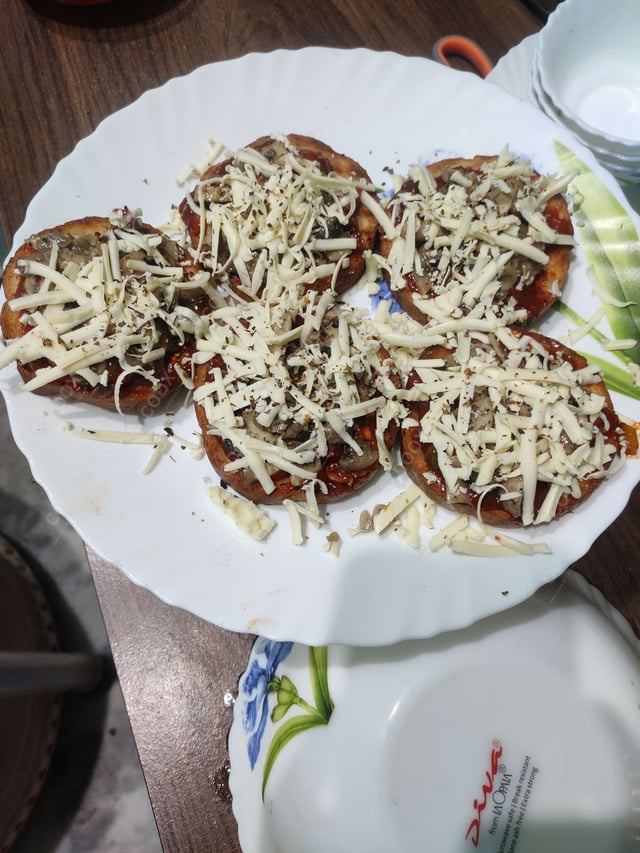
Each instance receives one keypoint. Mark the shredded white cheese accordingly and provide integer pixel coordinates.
(333, 544)
(162, 442)
(472, 240)
(272, 220)
(250, 518)
(283, 401)
(505, 421)
(387, 514)
(89, 302)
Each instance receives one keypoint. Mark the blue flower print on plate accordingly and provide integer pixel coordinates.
(384, 294)
(267, 656)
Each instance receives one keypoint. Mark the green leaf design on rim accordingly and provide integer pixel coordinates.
(318, 662)
(611, 245)
(616, 378)
(287, 731)
(288, 697)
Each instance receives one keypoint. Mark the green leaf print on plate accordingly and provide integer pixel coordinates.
(612, 248)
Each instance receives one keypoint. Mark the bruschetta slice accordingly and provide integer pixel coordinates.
(296, 406)
(102, 310)
(477, 237)
(514, 427)
(284, 212)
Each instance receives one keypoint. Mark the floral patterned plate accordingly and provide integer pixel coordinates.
(519, 733)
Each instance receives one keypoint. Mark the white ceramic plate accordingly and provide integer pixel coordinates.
(387, 111)
(518, 733)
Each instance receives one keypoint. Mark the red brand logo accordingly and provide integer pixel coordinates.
(479, 805)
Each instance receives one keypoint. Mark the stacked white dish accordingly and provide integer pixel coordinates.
(586, 75)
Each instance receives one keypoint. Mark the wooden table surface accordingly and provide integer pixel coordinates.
(64, 70)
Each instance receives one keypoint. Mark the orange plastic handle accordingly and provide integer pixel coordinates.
(464, 47)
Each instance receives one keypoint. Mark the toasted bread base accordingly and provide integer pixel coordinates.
(336, 477)
(13, 279)
(534, 298)
(136, 394)
(421, 463)
(339, 483)
(362, 224)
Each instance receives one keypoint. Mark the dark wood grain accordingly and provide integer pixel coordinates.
(612, 563)
(65, 70)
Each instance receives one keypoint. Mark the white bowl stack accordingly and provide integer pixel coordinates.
(586, 75)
